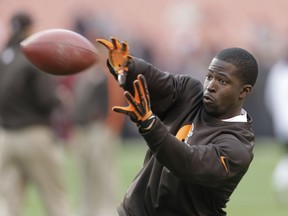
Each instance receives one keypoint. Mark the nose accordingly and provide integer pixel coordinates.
(211, 86)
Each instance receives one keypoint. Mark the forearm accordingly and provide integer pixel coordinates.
(198, 164)
(160, 85)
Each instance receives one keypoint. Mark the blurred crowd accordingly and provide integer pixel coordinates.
(193, 35)
(180, 39)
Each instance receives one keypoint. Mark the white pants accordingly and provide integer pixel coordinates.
(96, 149)
(31, 155)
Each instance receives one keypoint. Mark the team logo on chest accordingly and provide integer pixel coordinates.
(190, 134)
(185, 132)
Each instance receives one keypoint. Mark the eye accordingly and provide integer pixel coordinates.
(222, 82)
(209, 77)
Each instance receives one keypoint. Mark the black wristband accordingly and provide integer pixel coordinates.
(146, 125)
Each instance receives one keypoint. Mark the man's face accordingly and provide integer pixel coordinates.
(222, 90)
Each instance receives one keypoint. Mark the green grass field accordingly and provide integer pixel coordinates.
(253, 197)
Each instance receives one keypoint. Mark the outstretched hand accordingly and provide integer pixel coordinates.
(139, 109)
(118, 57)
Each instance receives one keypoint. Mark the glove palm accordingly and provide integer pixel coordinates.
(139, 109)
(118, 57)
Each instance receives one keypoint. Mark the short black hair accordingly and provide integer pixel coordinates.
(246, 64)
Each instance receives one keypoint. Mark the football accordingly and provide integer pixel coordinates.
(59, 51)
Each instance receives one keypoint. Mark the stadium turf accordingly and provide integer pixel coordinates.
(253, 197)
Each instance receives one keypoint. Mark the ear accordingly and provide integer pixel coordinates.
(246, 90)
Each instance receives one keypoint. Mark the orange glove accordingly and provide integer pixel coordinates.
(139, 109)
(118, 57)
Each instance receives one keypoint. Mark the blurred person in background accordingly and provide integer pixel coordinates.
(28, 146)
(277, 104)
(97, 131)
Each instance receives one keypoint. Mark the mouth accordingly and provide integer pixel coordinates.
(208, 99)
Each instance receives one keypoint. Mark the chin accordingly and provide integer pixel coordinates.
(211, 111)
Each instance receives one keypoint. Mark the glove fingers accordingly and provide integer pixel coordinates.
(144, 88)
(145, 97)
(125, 48)
(136, 91)
(117, 45)
(139, 86)
(141, 100)
(130, 99)
(120, 109)
(127, 111)
(106, 43)
(143, 83)
(134, 105)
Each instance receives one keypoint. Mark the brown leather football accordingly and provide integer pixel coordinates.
(59, 51)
